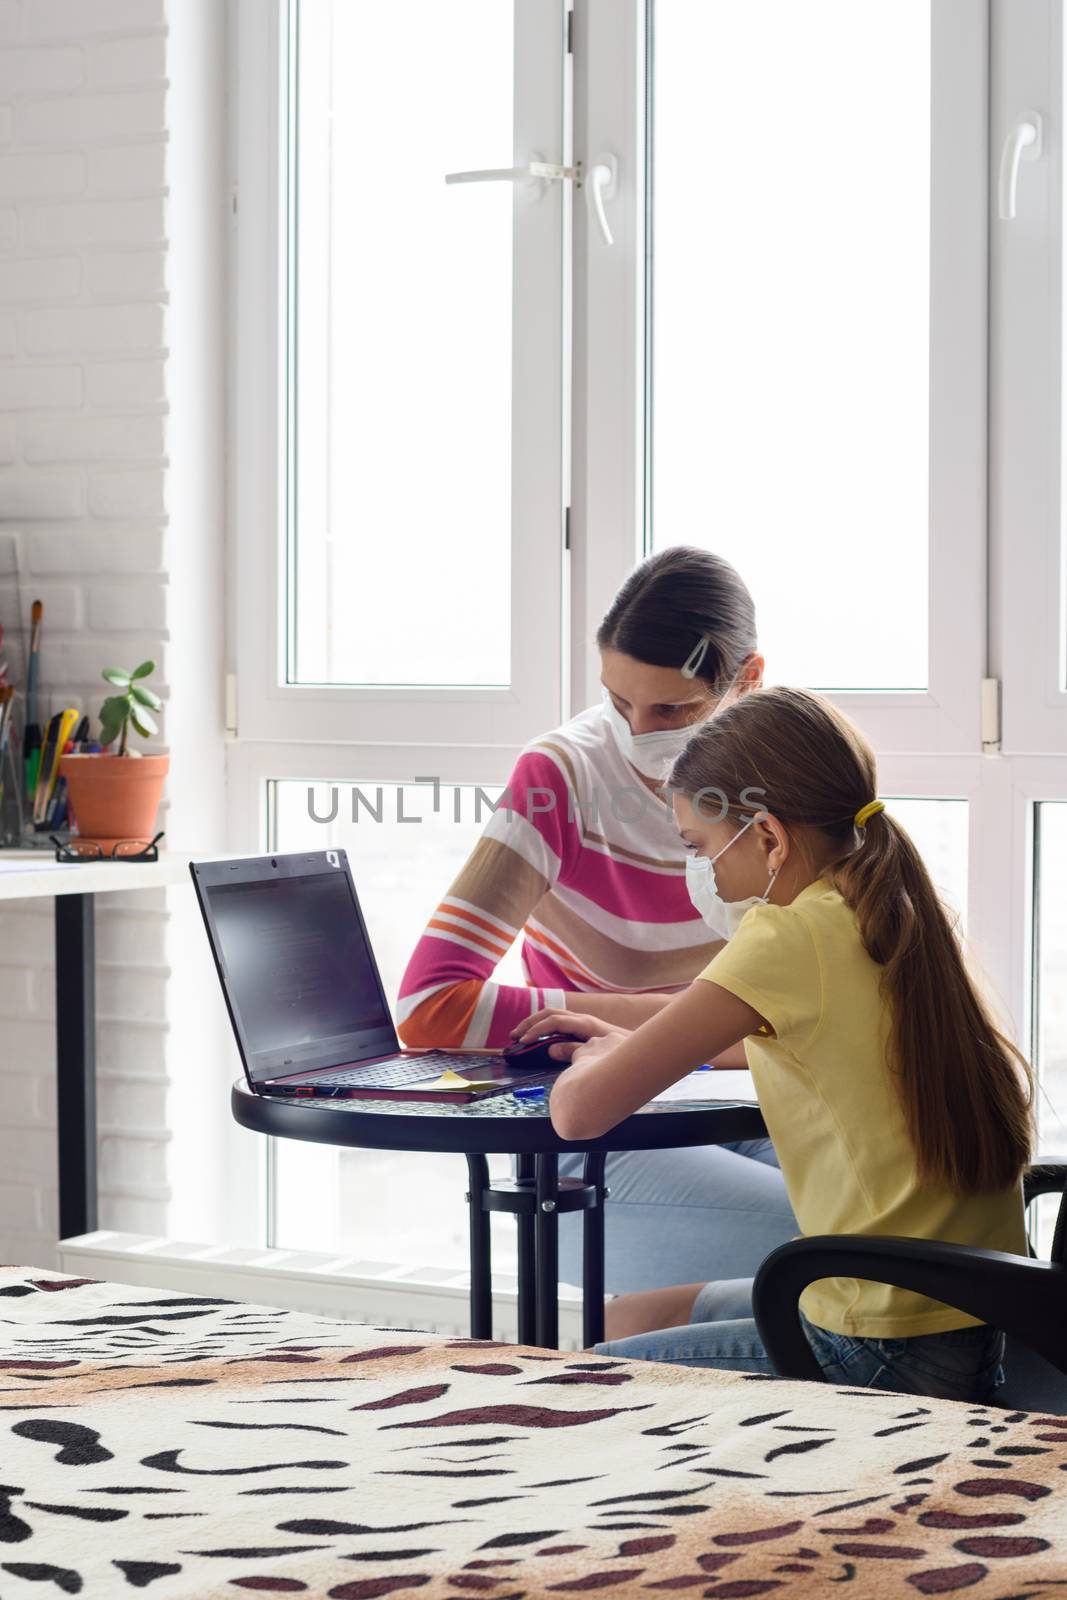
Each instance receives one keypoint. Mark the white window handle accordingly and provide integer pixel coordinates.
(1023, 143)
(535, 171)
(600, 186)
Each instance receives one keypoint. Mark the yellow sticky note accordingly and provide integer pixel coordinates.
(452, 1080)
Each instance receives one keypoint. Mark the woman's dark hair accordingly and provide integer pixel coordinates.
(673, 600)
(966, 1092)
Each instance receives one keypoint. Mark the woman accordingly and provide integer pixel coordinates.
(584, 861)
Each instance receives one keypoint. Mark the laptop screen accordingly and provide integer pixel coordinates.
(299, 975)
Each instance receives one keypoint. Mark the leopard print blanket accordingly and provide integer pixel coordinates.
(197, 1447)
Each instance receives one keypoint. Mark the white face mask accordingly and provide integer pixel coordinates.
(653, 754)
(723, 917)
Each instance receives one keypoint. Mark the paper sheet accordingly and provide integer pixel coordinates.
(724, 1085)
(453, 1080)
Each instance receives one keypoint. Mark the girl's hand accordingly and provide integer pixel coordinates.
(551, 1020)
(574, 1022)
(591, 1097)
(599, 1045)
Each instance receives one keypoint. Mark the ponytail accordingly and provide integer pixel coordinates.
(965, 1091)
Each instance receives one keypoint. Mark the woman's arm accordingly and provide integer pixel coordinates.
(613, 1075)
(447, 998)
(621, 1010)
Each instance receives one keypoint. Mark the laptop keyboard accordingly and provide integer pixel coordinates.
(393, 1074)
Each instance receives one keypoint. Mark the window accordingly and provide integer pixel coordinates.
(940, 831)
(404, 853)
(400, 404)
(1027, 551)
(790, 309)
(1050, 996)
(406, 843)
(813, 342)
(857, 480)
(401, 352)
(1050, 976)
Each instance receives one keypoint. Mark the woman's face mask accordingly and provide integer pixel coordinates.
(723, 917)
(654, 754)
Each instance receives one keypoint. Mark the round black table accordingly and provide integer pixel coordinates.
(502, 1125)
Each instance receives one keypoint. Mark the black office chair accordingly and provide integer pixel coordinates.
(1024, 1297)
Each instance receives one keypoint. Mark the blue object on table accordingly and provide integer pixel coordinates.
(534, 1091)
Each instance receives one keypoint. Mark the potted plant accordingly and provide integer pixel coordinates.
(115, 794)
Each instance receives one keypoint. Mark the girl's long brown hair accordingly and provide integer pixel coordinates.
(966, 1091)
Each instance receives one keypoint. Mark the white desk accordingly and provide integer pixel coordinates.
(31, 874)
(26, 874)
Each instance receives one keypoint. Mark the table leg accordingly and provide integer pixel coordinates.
(593, 1251)
(76, 1062)
(525, 1173)
(546, 1234)
(481, 1263)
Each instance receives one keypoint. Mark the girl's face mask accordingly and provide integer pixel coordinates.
(723, 917)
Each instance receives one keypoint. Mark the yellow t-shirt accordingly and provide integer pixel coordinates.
(833, 1111)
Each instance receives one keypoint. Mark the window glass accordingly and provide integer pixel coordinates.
(395, 1207)
(410, 1207)
(940, 831)
(1050, 999)
(790, 324)
(1050, 981)
(400, 343)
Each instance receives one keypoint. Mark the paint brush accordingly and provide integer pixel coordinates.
(31, 744)
(7, 712)
(7, 695)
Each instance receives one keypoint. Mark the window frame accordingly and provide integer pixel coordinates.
(268, 709)
(1028, 548)
(612, 53)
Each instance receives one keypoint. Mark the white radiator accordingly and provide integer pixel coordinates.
(380, 1293)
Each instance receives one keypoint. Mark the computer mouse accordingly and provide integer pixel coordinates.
(534, 1056)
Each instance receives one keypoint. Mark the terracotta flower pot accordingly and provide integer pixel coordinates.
(115, 797)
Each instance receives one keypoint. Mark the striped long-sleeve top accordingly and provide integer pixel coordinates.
(587, 864)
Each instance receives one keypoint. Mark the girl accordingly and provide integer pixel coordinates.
(586, 866)
(895, 1105)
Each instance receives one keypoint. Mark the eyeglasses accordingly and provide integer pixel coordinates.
(121, 850)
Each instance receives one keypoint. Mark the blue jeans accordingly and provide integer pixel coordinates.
(682, 1216)
(964, 1364)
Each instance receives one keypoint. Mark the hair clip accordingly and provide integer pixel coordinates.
(695, 659)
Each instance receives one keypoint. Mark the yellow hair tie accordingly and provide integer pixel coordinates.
(871, 809)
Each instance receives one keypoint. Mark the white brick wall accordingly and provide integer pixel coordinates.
(83, 436)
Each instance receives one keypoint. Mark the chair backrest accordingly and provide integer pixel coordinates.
(1059, 1237)
(1050, 1177)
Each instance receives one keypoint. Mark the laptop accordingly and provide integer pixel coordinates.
(303, 992)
